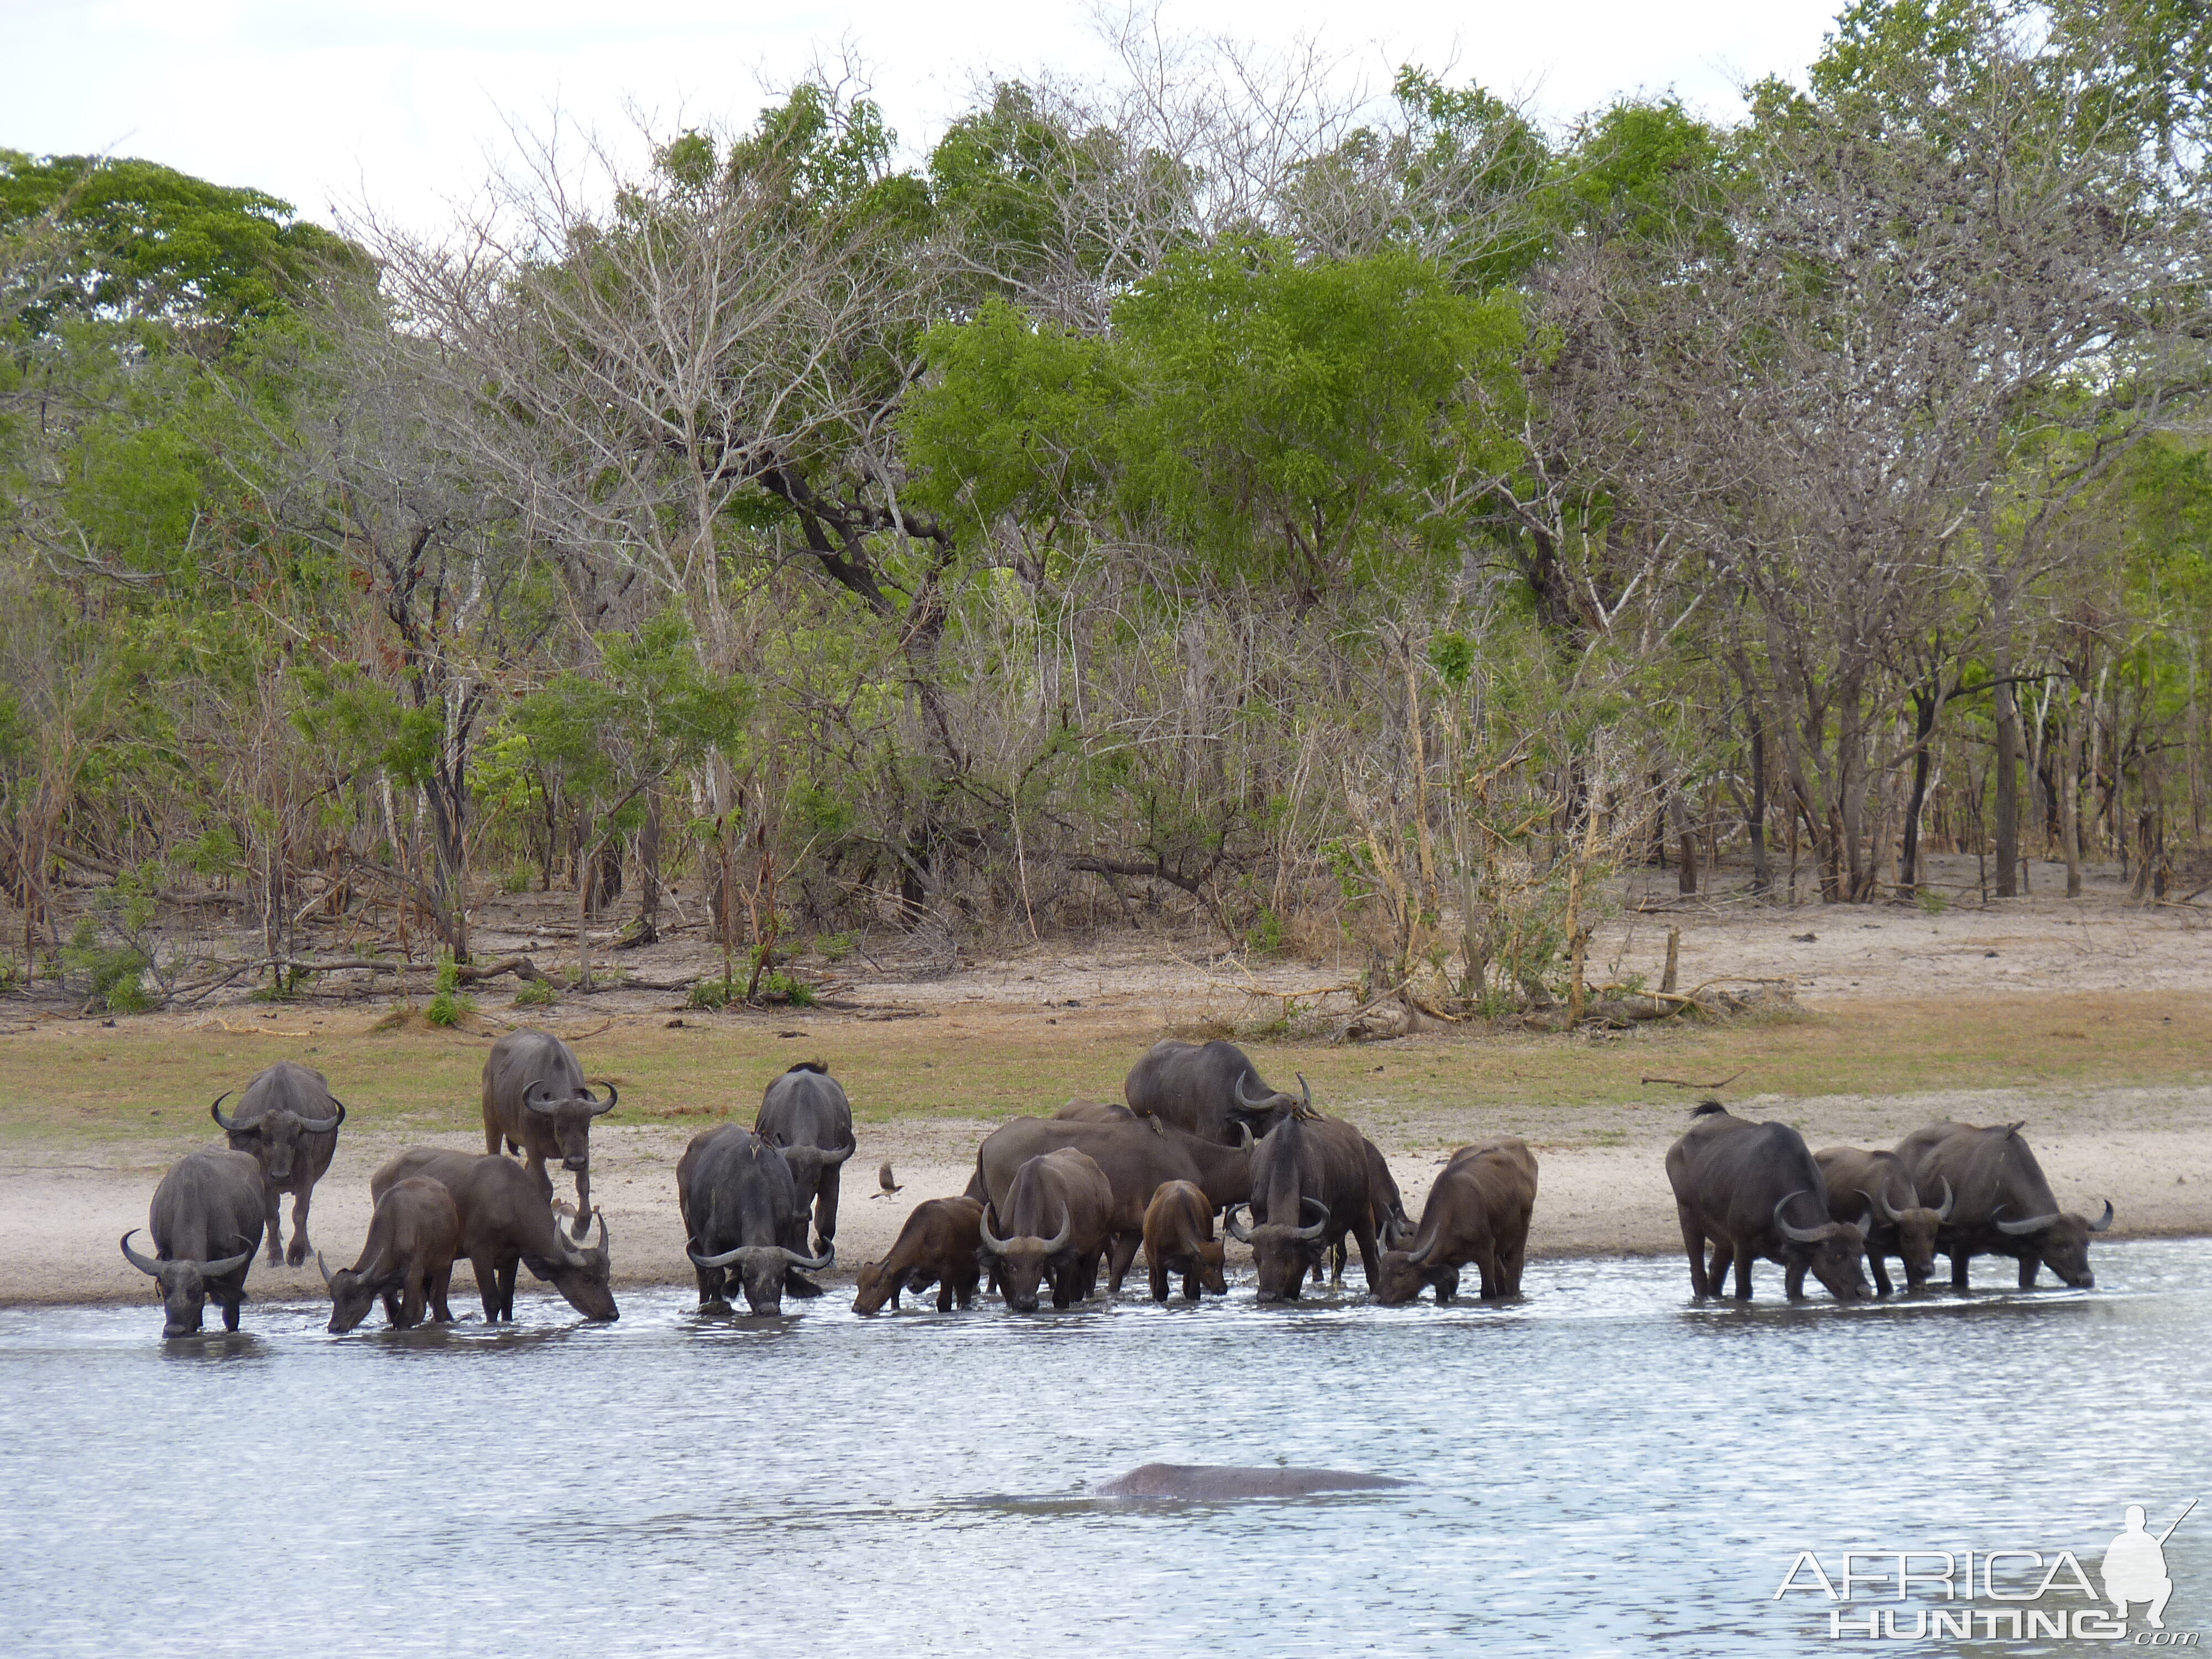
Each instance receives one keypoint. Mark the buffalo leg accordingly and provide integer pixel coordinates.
(410, 1303)
(1485, 1264)
(269, 1223)
(1509, 1263)
(965, 1287)
(440, 1282)
(390, 1296)
(1158, 1270)
(825, 1210)
(1447, 1284)
(493, 1133)
(1878, 1269)
(2029, 1267)
(1793, 1281)
(487, 1274)
(1190, 1285)
(1124, 1254)
(506, 1290)
(1958, 1259)
(710, 1290)
(1693, 1242)
(298, 1252)
(1362, 1234)
(1743, 1273)
(1716, 1271)
(945, 1296)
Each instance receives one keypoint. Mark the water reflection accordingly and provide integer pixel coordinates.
(1601, 1467)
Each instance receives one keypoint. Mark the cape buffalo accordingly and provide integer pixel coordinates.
(1136, 1157)
(506, 1222)
(535, 1099)
(1179, 1239)
(1205, 1090)
(1478, 1212)
(941, 1243)
(207, 1207)
(741, 1209)
(1098, 1111)
(1311, 1184)
(289, 1122)
(2004, 1207)
(1875, 1190)
(1739, 1183)
(408, 1259)
(1057, 1213)
(805, 1115)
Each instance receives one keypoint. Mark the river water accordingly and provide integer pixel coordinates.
(1600, 1469)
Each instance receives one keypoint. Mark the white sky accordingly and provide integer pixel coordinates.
(400, 102)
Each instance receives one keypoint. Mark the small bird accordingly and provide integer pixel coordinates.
(884, 1180)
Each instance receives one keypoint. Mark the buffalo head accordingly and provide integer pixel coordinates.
(2062, 1242)
(352, 1293)
(1023, 1261)
(1401, 1276)
(1834, 1250)
(761, 1270)
(1915, 1227)
(584, 1277)
(1282, 1253)
(570, 1118)
(873, 1288)
(273, 1137)
(184, 1285)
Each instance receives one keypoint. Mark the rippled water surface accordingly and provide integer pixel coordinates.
(1599, 1469)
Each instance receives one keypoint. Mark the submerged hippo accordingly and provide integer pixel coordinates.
(1207, 1483)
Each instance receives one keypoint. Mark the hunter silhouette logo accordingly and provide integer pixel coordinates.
(2135, 1567)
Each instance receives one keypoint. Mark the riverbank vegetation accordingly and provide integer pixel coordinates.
(1184, 497)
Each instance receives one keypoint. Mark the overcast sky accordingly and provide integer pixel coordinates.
(400, 102)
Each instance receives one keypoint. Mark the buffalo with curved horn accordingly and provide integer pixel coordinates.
(289, 1122)
(805, 1115)
(537, 1102)
(2004, 1204)
(1875, 1189)
(742, 1208)
(1733, 1180)
(207, 1202)
(1477, 1213)
(1205, 1089)
(1059, 1214)
(1301, 1160)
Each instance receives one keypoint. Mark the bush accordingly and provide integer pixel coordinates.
(835, 947)
(536, 994)
(521, 878)
(783, 988)
(448, 1006)
(114, 972)
(711, 994)
(1932, 900)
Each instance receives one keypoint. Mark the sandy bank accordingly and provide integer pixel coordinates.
(2148, 1150)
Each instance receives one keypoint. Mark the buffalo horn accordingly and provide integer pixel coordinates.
(228, 1125)
(325, 1266)
(721, 1261)
(1798, 1235)
(1229, 1223)
(2098, 1226)
(1306, 1088)
(1245, 1100)
(1314, 1230)
(601, 1108)
(577, 1258)
(832, 1159)
(1243, 1129)
(992, 1242)
(2034, 1224)
(1943, 1210)
(143, 1264)
(1878, 1208)
(538, 1098)
(323, 1126)
(813, 1264)
(1058, 1242)
(229, 1264)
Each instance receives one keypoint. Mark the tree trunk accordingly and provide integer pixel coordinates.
(648, 873)
(1926, 700)
(2070, 804)
(1685, 841)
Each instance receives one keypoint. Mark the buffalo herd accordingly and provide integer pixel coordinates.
(1204, 1151)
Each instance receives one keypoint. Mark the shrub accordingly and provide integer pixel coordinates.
(711, 993)
(536, 994)
(1932, 900)
(448, 1006)
(114, 972)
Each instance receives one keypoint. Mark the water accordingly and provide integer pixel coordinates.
(1601, 1469)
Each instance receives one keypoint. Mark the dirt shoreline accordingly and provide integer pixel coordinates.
(60, 1219)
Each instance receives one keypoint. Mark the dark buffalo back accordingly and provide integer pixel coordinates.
(1197, 1088)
